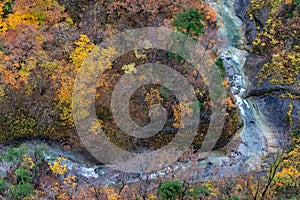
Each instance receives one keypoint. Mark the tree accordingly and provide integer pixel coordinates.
(189, 22)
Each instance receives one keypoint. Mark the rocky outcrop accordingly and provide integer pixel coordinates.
(241, 11)
(252, 66)
(260, 17)
(275, 111)
(272, 101)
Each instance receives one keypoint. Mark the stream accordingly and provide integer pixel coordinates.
(247, 151)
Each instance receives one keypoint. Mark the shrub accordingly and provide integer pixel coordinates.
(20, 185)
(7, 8)
(199, 192)
(21, 190)
(57, 167)
(170, 190)
(14, 154)
(23, 175)
(220, 64)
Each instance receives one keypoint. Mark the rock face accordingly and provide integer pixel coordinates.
(253, 65)
(278, 109)
(274, 109)
(261, 17)
(240, 9)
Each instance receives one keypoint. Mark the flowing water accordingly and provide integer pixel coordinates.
(255, 139)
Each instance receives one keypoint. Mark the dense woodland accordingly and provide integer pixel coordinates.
(43, 44)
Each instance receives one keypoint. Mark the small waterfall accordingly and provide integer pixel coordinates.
(255, 135)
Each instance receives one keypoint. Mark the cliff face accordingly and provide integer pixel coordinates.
(241, 9)
(278, 101)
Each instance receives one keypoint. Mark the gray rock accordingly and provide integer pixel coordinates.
(268, 98)
(274, 110)
(261, 16)
(253, 65)
(240, 9)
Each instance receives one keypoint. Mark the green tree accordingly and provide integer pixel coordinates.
(190, 23)
(170, 190)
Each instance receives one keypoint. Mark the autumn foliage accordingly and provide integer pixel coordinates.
(44, 43)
